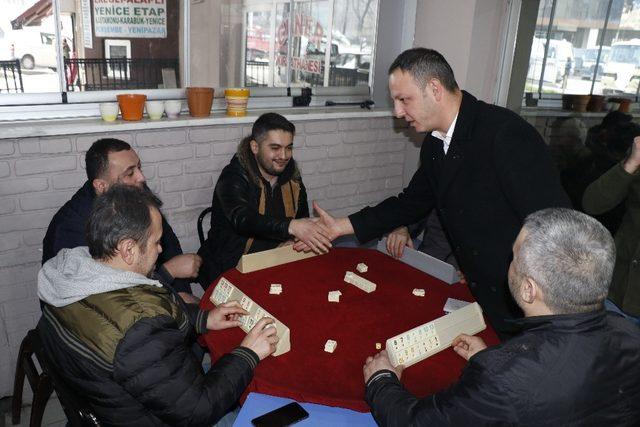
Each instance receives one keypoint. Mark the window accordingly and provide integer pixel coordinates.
(285, 43)
(585, 47)
(101, 46)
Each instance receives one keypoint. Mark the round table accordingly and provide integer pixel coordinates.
(359, 321)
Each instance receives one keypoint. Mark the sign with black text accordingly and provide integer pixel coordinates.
(130, 18)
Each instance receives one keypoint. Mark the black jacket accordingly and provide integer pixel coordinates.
(67, 230)
(564, 370)
(235, 217)
(497, 171)
(128, 352)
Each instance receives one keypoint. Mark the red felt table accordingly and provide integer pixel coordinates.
(359, 321)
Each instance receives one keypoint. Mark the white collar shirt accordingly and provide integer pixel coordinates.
(446, 138)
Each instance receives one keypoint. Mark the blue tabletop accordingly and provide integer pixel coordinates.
(319, 415)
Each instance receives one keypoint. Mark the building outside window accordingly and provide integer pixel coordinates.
(585, 47)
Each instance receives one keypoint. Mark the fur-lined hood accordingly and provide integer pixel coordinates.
(247, 161)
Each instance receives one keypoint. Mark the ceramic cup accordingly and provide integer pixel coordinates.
(173, 108)
(237, 99)
(109, 111)
(155, 109)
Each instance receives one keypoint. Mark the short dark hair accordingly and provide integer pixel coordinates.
(97, 158)
(122, 212)
(268, 122)
(620, 137)
(424, 64)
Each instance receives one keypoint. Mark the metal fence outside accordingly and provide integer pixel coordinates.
(118, 73)
(257, 74)
(11, 77)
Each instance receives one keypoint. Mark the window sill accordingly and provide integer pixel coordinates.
(557, 112)
(56, 127)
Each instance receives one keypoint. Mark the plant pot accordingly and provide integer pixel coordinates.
(199, 100)
(575, 102)
(623, 104)
(237, 100)
(596, 103)
(131, 106)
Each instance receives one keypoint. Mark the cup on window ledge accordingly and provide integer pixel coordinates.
(155, 109)
(237, 100)
(172, 108)
(200, 100)
(109, 111)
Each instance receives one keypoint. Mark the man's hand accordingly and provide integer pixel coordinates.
(262, 339)
(184, 266)
(467, 345)
(225, 316)
(311, 233)
(397, 240)
(632, 164)
(334, 227)
(379, 362)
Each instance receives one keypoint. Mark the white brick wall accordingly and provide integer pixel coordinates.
(346, 165)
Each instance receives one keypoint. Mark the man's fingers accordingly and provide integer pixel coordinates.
(410, 243)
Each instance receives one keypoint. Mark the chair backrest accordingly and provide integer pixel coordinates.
(76, 408)
(201, 217)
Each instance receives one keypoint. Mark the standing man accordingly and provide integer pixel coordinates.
(259, 202)
(116, 335)
(112, 161)
(573, 364)
(482, 167)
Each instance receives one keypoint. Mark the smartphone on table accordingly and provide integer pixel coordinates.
(284, 416)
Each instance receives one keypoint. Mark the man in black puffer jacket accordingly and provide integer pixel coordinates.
(259, 202)
(572, 364)
(122, 339)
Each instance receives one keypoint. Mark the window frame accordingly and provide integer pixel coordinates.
(553, 99)
(69, 105)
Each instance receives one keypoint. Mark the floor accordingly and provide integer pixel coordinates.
(53, 414)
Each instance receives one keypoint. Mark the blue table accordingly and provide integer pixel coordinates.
(319, 415)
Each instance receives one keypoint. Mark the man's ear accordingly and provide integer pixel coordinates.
(529, 291)
(100, 186)
(254, 146)
(435, 87)
(127, 250)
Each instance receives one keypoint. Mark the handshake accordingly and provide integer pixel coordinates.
(316, 234)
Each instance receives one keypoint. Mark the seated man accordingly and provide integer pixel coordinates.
(572, 364)
(110, 161)
(619, 187)
(259, 202)
(118, 336)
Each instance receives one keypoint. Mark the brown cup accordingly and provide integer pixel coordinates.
(200, 100)
(131, 106)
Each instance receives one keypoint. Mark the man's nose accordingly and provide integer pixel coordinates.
(397, 110)
(140, 176)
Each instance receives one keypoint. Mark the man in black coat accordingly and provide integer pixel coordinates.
(482, 167)
(111, 161)
(573, 364)
(259, 202)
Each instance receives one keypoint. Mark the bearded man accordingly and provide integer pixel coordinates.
(259, 202)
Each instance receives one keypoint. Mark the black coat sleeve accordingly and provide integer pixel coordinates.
(66, 230)
(412, 205)
(477, 399)
(153, 364)
(234, 194)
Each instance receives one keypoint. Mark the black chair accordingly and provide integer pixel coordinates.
(43, 382)
(201, 217)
